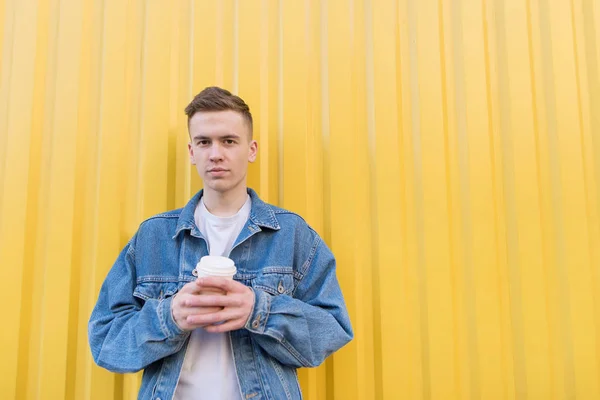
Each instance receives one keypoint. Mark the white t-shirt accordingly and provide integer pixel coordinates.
(208, 370)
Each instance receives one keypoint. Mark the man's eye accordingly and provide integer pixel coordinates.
(229, 141)
(203, 142)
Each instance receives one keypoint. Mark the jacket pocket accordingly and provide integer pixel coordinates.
(275, 280)
(155, 290)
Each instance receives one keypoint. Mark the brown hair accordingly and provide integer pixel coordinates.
(214, 98)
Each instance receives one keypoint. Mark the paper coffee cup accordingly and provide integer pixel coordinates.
(223, 267)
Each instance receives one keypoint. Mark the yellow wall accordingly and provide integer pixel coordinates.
(447, 150)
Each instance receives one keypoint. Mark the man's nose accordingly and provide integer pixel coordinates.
(216, 152)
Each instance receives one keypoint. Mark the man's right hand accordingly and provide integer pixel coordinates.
(180, 308)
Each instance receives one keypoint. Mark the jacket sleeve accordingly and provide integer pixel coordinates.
(302, 329)
(127, 333)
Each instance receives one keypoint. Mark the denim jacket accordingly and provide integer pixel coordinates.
(299, 316)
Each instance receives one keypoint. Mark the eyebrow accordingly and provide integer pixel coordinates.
(228, 136)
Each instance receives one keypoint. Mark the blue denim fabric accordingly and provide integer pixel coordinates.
(299, 316)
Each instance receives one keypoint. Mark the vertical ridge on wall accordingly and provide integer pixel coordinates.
(341, 153)
(16, 102)
(559, 329)
(448, 152)
(88, 95)
(589, 87)
(494, 45)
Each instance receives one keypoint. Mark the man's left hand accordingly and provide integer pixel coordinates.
(237, 303)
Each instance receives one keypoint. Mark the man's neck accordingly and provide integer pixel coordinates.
(224, 204)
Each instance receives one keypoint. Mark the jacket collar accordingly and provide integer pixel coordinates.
(261, 214)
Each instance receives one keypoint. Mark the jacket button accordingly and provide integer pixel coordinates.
(280, 288)
(195, 273)
(256, 322)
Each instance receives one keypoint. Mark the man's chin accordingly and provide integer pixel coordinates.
(219, 186)
(222, 185)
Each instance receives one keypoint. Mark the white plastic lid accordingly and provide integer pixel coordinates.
(216, 266)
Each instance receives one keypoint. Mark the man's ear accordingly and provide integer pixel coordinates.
(253, 151)
(191, 153)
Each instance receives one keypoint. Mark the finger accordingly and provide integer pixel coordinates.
(227, 285)
(190, 288)
(225, 327)
(216, 282)
(212, 301)
(181, 300)
(187, 311)
(214, 318)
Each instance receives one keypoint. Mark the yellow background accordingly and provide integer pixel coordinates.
(447, 150)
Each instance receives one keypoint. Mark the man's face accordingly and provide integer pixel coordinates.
(221, 148)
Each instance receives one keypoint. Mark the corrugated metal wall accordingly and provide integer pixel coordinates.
(448, 151)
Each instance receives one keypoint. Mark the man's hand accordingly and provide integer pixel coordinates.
(234, 307)
(182, 308)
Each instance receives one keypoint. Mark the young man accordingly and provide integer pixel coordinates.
(283, 310)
